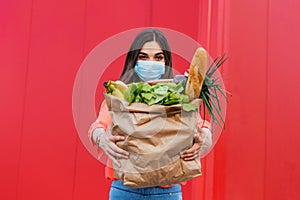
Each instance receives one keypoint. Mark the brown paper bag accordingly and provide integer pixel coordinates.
(155, 136)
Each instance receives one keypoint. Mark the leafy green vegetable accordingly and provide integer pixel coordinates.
(161, 93)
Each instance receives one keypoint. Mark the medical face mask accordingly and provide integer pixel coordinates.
(149, 70)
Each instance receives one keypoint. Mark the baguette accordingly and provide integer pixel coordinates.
(196, 74)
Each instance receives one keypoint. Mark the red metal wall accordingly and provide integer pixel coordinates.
(42, 44)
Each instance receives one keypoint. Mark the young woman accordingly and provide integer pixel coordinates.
(149, 58)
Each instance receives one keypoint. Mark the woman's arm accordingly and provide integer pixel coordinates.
(207, 141)
(107, 142)
(100, 135)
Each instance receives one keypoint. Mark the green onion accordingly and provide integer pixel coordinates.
(209, 92)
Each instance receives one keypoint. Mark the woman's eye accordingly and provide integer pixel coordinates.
(159, 58)
(142, 57)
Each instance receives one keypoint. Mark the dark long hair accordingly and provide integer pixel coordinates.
(128, 75)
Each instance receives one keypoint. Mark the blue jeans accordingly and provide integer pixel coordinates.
(118, 191)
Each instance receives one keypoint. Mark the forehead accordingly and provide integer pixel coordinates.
(151, 46)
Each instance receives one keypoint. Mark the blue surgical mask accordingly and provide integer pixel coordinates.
(149, 70)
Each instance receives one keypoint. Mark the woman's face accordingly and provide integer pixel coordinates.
(151, 51)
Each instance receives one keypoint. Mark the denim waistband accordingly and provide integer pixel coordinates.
(146, 191)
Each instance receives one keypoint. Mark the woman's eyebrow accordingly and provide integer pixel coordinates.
(143, 53)
(147, 54)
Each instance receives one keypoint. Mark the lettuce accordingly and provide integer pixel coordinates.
(161, 93)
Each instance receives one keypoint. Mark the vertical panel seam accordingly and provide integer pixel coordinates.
(266, 97)
(24, 102)
(224, 23)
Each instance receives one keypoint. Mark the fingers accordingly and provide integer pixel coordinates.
(191, 157)
(113, 151)
(191, 153)
(116, 151)
(115, 139)
(194, 151)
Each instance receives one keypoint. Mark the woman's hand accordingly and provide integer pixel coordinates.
(108, 144)
(201, 139)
